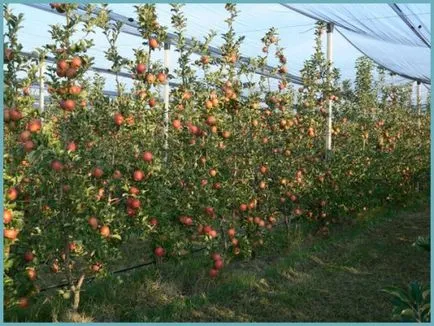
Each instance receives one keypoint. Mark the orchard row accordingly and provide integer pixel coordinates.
(90, 173)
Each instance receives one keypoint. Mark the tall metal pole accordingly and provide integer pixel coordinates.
(166, 102)
(41, 85)
(330, 27)
(418, 102)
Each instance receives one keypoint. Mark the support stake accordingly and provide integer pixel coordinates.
(41, 85)
(330, 27)
(166, 102)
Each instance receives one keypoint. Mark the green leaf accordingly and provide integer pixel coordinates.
(397, 293)
(416, 292)
(408, 314)
(116, 236)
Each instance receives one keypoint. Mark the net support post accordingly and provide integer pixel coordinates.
(418, 102)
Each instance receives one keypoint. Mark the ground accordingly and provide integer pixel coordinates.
(333, 279)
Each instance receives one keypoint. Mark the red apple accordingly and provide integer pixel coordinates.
(29, 146)
(211, 121)
(71, 147)
(76, 62)
(68, 105)
(159, 252)
(34, 125)
(162, 77)
(62, 65)
(153, 221)
(177, 124)
(56, 166)
(23, 303)
(218, 264)
(140, 68)
(134, 191)
(10, 234)
(134, 203)
(231, 232)
(28, 256)
(152, 102)
(138, 175)
(97, 172)
(118, 119)
(216, 256)
(93, 222)
(7, 216)
(153, 43)
(31, 274)
(147, 156)
(104, 231)
(213, 273)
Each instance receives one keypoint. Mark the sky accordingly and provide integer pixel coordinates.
(295, 31)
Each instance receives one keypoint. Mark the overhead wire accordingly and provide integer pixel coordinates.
(248, 43)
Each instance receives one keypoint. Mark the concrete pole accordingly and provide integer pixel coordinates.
(330, 27)
(166, 102)
(418, 102)
(41, 85)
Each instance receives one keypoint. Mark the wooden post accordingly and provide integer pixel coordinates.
(41, 85)
(166, 102)
(330, 27)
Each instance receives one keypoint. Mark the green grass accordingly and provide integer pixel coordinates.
(337, 278)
